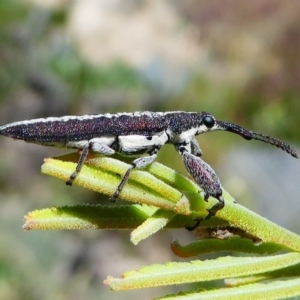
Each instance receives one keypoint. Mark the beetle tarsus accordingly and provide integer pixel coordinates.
(211, 213)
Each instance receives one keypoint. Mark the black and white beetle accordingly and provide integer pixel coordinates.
(135, 134)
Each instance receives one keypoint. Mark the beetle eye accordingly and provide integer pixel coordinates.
(208, 121)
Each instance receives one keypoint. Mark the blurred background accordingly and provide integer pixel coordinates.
(239, 60)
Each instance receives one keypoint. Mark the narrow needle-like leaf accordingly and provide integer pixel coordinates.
(179, 273)
(284, 289)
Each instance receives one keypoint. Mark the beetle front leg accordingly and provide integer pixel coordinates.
(205, 177)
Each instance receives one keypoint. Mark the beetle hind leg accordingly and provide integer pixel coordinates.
(96, 145)
(82, 159)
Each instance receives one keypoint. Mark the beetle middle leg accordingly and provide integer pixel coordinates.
(138, 163)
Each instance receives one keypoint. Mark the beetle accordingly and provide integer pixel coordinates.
(135, 134)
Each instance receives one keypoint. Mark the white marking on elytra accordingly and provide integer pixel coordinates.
(66, 119)
(54, 119)
(82, 118)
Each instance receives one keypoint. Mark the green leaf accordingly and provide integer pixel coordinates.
(88, 217)
(180, 273)
(274, 290)
(234, 244)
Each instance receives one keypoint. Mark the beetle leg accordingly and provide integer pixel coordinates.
(93, 145)
(138, 163)
(205, 177)
(195, 148)
(82, 159)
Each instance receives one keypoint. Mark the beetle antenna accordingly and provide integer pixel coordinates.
(251, 135)
(273, 141)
